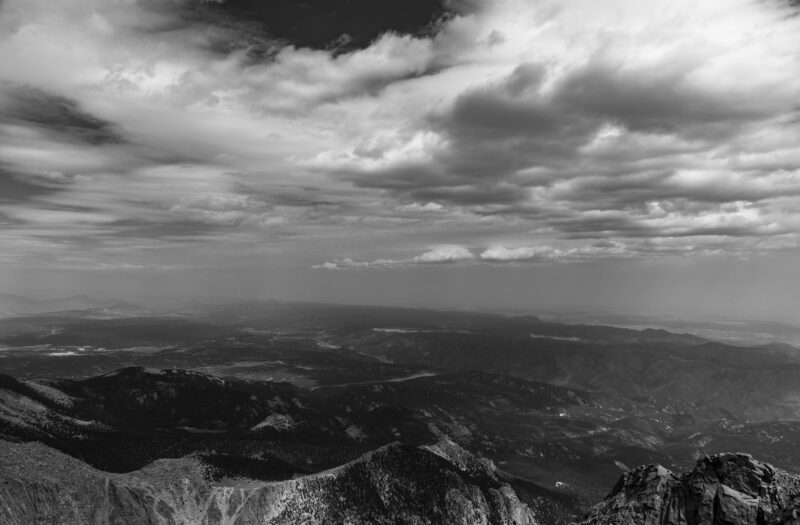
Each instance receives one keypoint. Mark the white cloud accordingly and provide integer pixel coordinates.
(453, 254)
(503, 254)
(445, 254)
(429, 207)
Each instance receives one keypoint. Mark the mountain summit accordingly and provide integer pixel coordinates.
(724, 489)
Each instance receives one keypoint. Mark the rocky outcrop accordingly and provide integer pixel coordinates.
(725, 489)
(394, 484)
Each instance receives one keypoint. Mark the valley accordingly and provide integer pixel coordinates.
(248, 394)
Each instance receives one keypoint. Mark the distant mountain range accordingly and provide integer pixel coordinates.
(75, 305)
(11, 304)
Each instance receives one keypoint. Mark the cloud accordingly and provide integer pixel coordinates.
(454, 254)
(342, 25)
(55, 114)
(445, 254)
(17, 187)
(535, 130)
(347, 262)
(433, 207)
(227, 210)
(503, 254)
(621, 121)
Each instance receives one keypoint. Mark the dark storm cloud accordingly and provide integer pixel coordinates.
(212, 28)
(56, 115)
(258, 30)
(324, 24)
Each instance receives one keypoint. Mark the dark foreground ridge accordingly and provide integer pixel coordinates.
(394, 484)
(725, 489)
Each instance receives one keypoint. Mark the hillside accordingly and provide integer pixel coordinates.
(391, 485)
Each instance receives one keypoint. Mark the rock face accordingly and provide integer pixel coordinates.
(394, 484)
(725, 489)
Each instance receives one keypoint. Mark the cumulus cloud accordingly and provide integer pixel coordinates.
(525, 253)
(447, 254)
(545, 253)
(504, 255)
(434, 207)
(600, 133)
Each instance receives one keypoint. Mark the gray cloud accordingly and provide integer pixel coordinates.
(658, 100)
(55, 115)
(601, 137)
(17, 187)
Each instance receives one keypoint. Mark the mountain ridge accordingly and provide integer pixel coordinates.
(395, 483)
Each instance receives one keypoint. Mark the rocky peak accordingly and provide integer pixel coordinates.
(737, 471)
(722, 489)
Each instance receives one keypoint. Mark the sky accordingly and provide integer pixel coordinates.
(473, 153)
